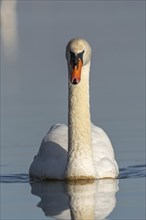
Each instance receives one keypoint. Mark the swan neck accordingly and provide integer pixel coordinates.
(79, 122)
(80, 155)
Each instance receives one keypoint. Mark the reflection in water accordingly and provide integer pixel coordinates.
(77, 200)
(9, 27)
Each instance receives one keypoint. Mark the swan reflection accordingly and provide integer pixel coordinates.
(77, 200)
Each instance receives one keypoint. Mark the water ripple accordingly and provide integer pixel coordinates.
(14, 178)
(137, 171)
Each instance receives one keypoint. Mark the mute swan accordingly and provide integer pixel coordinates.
(81, 150)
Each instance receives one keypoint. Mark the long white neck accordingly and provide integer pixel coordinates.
(80, 155)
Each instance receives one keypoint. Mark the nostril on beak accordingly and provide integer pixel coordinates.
(75, 81)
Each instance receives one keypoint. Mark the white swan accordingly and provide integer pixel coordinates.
(81, 150)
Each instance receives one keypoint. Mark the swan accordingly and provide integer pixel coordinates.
(80, 150)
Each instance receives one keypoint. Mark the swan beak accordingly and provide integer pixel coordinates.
(76, 72)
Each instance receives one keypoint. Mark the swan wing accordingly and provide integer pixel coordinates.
(103, 154)
(50, 161)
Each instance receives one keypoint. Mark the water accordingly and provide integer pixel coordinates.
(34, 96)
(115, 199)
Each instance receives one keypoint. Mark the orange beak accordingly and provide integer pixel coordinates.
(76, 72)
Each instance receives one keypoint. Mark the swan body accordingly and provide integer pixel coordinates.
(80, 150)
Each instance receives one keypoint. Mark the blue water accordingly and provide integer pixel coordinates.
(21, 197)
(138, 171)
(34, 96)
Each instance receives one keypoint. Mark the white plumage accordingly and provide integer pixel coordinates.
(80, 150)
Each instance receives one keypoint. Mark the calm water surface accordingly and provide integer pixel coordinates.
(34, 96)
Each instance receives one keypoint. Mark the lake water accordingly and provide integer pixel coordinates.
(34, 96)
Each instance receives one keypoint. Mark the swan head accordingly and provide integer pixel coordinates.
(78, 54)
